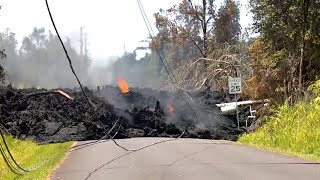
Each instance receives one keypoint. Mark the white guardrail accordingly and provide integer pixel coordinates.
(231, 108)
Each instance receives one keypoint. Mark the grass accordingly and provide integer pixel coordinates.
(28, 155)
(293, 130)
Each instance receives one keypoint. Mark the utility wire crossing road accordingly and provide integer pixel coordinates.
(183, 159)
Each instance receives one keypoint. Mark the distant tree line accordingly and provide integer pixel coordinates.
(40, 60)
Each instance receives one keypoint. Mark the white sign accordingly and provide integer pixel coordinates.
(234, 85)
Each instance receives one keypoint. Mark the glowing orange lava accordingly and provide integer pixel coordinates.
(170, 107)
(123, 86)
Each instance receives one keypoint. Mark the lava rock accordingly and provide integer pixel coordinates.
(51, 118)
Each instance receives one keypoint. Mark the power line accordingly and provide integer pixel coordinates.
(15, 167)
(67, 55)
(149, 145)
(165, 63)
(152, 35)
(70, 63)
(18, 169)
(78, 147)
(7, 148)
(6, 159)
(129, 151)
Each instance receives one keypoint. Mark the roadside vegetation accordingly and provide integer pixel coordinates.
(29, 155)
(293, 130)
(285, 61)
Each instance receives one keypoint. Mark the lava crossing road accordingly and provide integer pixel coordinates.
(182, 159)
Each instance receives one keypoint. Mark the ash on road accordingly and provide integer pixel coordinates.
(182, 159)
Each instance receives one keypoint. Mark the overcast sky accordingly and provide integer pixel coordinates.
(110, 24)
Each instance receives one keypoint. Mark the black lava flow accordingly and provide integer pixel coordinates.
(52, 118)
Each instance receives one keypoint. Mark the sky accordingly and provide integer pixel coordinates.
(112, 26)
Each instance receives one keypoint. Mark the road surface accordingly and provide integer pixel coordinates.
(183, 159)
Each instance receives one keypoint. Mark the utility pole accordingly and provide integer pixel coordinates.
(85, 45)
(81, 41)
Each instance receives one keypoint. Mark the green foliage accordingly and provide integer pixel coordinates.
(293, 129)
(290, 44)
(315, 88)
(29, 154)
(265, 81)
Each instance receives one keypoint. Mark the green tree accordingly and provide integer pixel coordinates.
(289, 33)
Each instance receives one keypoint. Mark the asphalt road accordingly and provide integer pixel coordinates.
(183, 159)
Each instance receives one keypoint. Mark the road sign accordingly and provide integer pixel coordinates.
(234, 85)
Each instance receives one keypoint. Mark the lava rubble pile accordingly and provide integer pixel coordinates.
(51, 117)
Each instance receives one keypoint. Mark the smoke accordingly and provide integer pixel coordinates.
(100, 74)
(201, 117)
(38, 61)
(143, 72)
(41, 62)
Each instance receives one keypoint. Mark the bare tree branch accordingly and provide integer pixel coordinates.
(195, 11)
(199, 48)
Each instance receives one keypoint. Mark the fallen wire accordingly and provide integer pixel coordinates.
(10, 156)
(130, 152)
(8, 163)
(144, 147)
(16, 170)
(97, 142)
(6, 159)
(145, 18)
(66, 52)
(100, 167)
(165, 63)
(101, 139)
(70, 64)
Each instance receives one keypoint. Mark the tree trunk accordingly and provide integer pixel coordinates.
(305, 16)
(301, 66)
(204, 28)
(285, 87)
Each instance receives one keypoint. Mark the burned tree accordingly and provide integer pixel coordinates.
(187, 23)
(227, 23)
